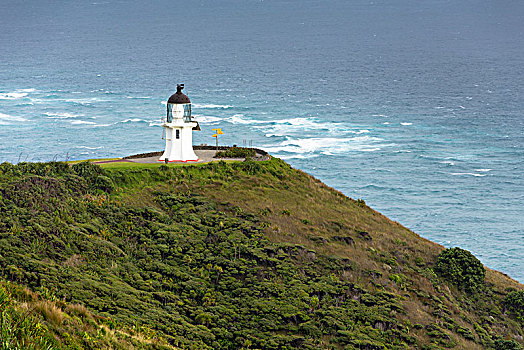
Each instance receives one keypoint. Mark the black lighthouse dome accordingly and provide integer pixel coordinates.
(178, 97)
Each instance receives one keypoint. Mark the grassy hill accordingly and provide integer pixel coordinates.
(231, 255)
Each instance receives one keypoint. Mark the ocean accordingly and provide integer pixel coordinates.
(417, 107)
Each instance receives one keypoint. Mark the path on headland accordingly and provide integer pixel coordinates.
(204, 156)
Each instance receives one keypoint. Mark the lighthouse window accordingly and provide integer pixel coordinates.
(169, 113)
(187, 112)
(177, 134)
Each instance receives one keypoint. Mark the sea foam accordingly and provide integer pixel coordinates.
(468, 174)
(211, 106)
(51, 115)
(326, 145)
(6, 119)
(12, 95)
(206, 118)
(80, 122)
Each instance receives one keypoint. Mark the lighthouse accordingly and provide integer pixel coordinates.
(178, 129)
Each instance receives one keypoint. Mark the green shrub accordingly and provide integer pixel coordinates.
(104, 183)
(502, 344)
(361, 203)
(87, 170)
(514, 302)
(419, 261)
(236, 152)
(250, 166)
(461, 268)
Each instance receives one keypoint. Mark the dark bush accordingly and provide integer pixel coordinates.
(514, 302)
(461, 268)
(236, 152)
(6, 168)
(502, 344)
(87, 170)
(104, 183)
(250, 166)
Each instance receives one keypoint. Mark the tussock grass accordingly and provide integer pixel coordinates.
(78, 310)
(28, 321)
(50, 312)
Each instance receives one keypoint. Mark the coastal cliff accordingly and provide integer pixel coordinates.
(230, 255)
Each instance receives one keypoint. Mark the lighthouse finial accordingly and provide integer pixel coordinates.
(179, 88)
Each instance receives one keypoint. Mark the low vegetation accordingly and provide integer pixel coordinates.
(39, 321)
(236, 152)
(242, 255)
(461, 268)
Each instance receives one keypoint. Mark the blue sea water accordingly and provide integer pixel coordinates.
(417, 107)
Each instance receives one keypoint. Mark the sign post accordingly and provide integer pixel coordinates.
(215, 135)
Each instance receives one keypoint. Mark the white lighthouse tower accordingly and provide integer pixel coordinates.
(178, 129)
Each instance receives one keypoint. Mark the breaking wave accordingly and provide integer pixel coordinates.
(206, 119)
(62, 115)
(6, 119)
(210, 106)
(80, 122)
(20, 93)
(326, 145)
(468, 174)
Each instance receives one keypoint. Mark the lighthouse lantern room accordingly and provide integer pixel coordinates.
(178, 129)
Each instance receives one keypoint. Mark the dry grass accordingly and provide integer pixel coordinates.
(78, 310)
(50, 312)
(74, 260)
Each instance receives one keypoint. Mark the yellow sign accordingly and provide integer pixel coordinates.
(217, 131)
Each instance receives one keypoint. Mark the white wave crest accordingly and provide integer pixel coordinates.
(87, 147)
(274, 135)
(84, 101)
(101, 125)
(62, 115)
(327, 145)
(80, 122)
(448, 162)
(137, 120)
(298, 156)
(240, 119)
(211, 106)
(469, 174)
(483, 170)
(12, 95)
(406, 124)
(206, 118)
(6, 119)
(286, 126)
